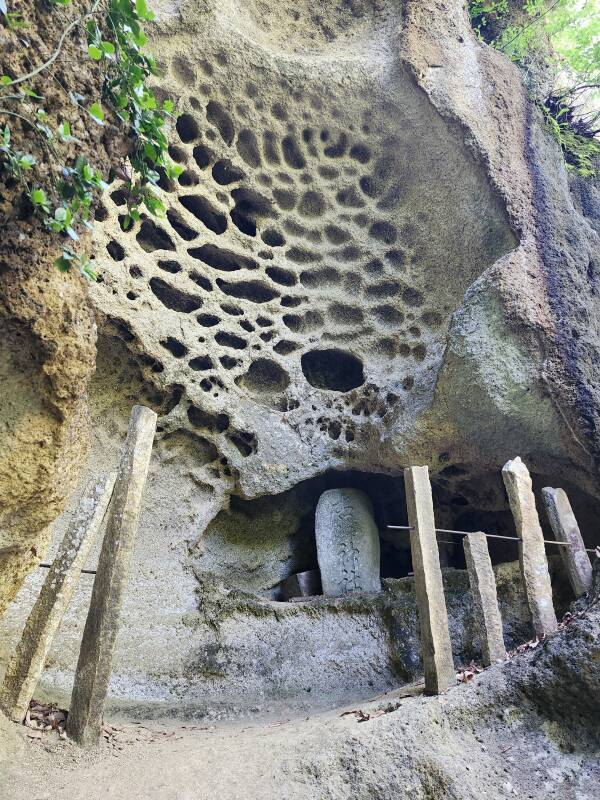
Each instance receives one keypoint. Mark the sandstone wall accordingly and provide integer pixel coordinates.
(373, 258)
(47, 355)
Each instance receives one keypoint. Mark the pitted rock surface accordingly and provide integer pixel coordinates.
(374, 258)
(328, 221)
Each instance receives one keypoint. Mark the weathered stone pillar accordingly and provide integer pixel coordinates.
(566, 529)
(532, 554)
(485, 598)
(348, 548)
(26, 666)
(102, 624)
(431, 604)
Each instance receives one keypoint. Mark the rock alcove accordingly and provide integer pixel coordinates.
(256, 544)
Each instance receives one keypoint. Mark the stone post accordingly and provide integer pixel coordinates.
(431, 605)
(566, 529)
(348, 549)
(485, 599)
(84, 723)
(27, 664)
(532, 554)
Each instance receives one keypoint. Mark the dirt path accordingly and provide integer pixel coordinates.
(478, 740)
(186, 760)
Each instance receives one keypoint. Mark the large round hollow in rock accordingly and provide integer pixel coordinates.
(264, 377)
(335, 370)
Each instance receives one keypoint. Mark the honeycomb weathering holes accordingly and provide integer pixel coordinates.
(298, 219)
(254, 291)
(225, 172)
(335, 370)
(264, 376)
(187, 128)
(174, 299)
(221, 259)
(203, 210)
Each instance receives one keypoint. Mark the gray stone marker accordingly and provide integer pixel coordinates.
(532, 553)
(485, 599)
(431, 604)
(84, 723)
(566, 529)
(27, 664)
(348, 549)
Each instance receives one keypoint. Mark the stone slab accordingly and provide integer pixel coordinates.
(532, 552)
(348, 548)
(94, 666)
(431, 604)
(562, 519)
(27, 664)
(485, 599)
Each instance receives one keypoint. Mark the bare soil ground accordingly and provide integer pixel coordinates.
(397, 745)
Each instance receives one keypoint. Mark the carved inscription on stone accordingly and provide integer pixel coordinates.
(347, 542)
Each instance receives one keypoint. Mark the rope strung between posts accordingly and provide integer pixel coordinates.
(83, 571)
(409, 528)
(489, 536)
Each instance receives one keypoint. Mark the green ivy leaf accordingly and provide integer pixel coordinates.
(26, 161)
(168, 106)
(30, 93)
(154, 205)
(173, 170)
(96, 112)
(63, 263)
(39, 199)
(5, 80)
(108, 49)
(64, 131)
(85, 267)
(95, 52)
(141, 7)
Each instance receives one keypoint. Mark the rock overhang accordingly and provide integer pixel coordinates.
(325, 207)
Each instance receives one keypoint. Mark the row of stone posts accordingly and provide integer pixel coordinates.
(431, 606)
(118, 495)
(343, 516)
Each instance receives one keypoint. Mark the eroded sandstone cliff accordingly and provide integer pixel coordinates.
(374, 257)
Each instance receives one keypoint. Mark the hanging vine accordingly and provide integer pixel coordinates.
(55, 179)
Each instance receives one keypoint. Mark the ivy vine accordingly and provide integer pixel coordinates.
(65, 200)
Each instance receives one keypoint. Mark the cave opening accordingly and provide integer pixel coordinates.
(256, 545)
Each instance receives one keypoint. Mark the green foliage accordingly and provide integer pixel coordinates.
(15, 21)
(581, 150)
(494, 22)
(64, 200)
(483, 13)
(135, 105)
(572, 28)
